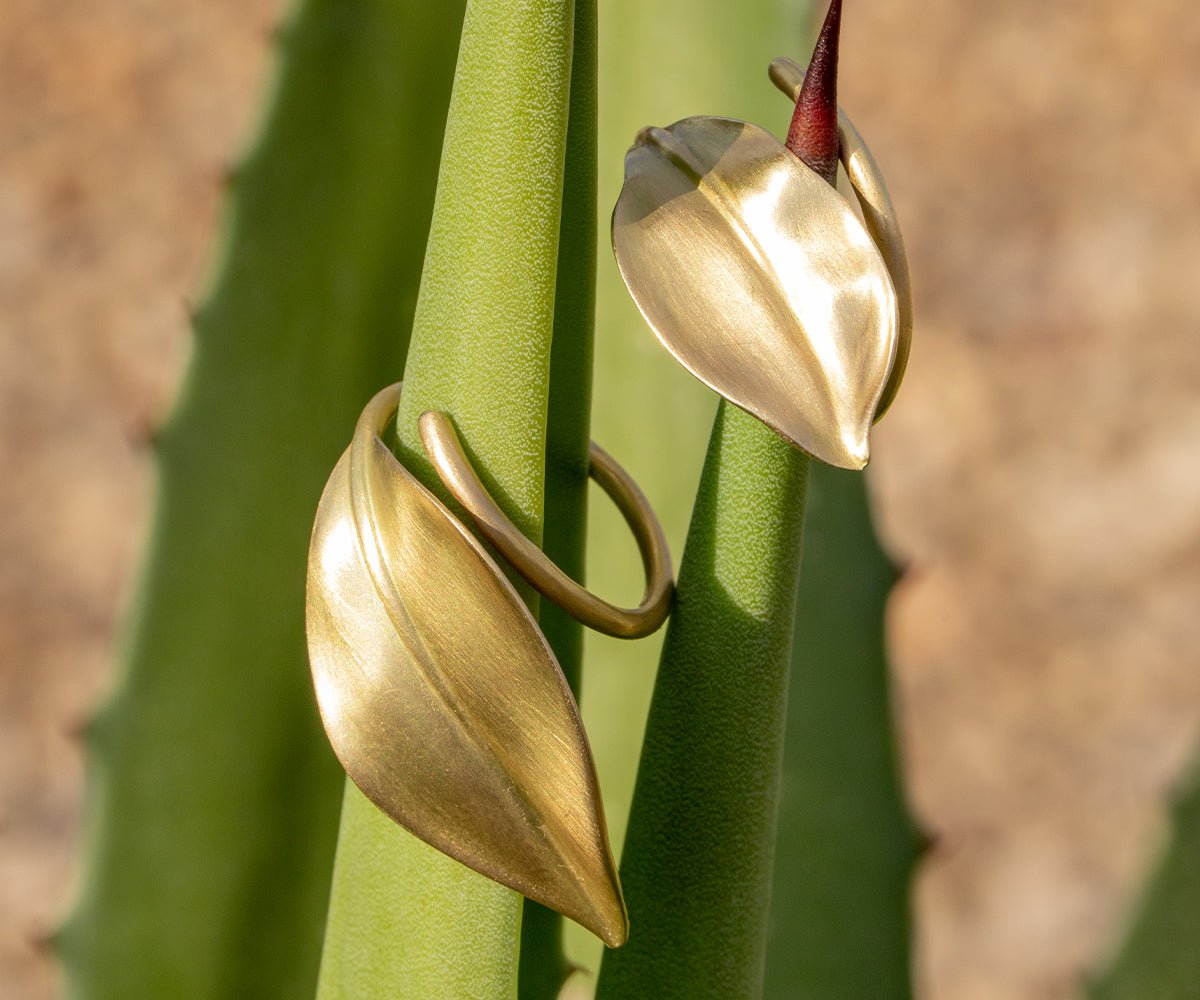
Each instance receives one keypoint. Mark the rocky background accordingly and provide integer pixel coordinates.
(1039, 474)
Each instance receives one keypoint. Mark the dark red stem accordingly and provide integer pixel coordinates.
(813, 133)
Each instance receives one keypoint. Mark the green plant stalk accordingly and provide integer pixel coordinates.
(212, 794)
(544, 966)
(404, 920)
(699, 851)
(1160, 958)
(846, 846)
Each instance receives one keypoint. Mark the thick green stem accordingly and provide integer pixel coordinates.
(846, 846)
(404, 920)
(698, 854)
(544, 965)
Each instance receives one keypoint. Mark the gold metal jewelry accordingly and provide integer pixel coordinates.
(879, 214)
(439, 693)
(446, 452)
(762, 281)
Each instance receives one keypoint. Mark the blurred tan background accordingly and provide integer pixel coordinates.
(1040, 473)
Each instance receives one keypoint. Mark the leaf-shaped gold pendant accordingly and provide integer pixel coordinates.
(760, 279)
(440, 694)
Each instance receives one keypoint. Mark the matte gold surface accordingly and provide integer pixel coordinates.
(445, 450)
(760, 279)
(440, 695)
(878, 213)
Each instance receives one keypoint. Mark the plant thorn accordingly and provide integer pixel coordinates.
(813, 134)
(45, 941)
(927, 842)
(903, 571)
(142, 433)
(78, 730)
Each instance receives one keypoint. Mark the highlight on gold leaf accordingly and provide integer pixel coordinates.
(440, 695)
(878, 212)
(760, 279)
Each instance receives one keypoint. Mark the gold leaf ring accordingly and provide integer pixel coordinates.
(440, 695)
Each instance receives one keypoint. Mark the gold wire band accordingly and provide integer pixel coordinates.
(879, 216)
(445, 450)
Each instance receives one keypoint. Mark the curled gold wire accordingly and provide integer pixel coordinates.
(457, 475)
(879, 216)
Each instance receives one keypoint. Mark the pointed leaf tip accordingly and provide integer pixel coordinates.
(813, 135)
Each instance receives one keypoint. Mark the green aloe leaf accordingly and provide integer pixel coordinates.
(405, 920)
(213, 797)
(846, 846)
(1160, 958)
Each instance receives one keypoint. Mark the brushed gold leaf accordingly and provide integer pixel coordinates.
(879, 215)
(760, 279)
(440, 695)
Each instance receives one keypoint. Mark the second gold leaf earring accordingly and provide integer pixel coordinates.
(761, 280)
